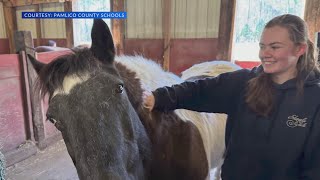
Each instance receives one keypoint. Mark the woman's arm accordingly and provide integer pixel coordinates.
(217, 94)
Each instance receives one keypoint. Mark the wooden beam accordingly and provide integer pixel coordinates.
(166, 25)
(317, 43)
(17, 3)
(117, 26)
(226, 23)
(11, 25)
(311, 16)
(38, 26)
(69, 25)
(24, 42)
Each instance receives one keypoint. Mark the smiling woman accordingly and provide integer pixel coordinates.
(273, 110)
(279, 54)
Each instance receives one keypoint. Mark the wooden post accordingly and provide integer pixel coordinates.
(317, 43)
(311, 16)
(117, 26)
(38, 26)
(166, 25)
(26, 95)
(11, 25)
(24, 42)
(19, 3)
(317, 40)
(69, 25)
(226, 22)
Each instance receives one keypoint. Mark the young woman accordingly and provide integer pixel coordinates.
(273, 127)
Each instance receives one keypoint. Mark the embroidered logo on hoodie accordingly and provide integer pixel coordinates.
(295, 121)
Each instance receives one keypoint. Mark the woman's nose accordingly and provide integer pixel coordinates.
(265, 52)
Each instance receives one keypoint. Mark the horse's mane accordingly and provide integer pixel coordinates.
(78, 64)
(52, 75)
(132, 85)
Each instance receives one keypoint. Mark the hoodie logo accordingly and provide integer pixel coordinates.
(295, 121)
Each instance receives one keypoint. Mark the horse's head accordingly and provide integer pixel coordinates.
(89, 105)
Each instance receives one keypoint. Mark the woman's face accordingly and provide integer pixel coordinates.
(278, 54)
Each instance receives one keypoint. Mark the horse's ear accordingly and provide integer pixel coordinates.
(37, 65)
(102, 44)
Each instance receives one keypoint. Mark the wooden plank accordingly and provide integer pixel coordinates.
(117, 26)
(26, 95)
(53, 28)
(23, 41)
(226, 21)
(12, 120)
(149, 24)
(4, 46)
(69, 25)
(191, 22)
(139, 24)
(213, 19)
(150, 48)
(17, 3)
(166, 16)
(202, 19)
(311, 16)
(38, 27)
(26, 24)
(2, 23)
(180, 18)
(187, 52)
(158, 19)
(11, 26)
(131, 19)
(317, 40)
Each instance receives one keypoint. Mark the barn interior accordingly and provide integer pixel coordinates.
(174, 33)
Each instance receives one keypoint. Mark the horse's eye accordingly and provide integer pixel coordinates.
(52, 120)
(119, 89)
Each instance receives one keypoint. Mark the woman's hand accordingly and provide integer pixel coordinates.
(148, 100)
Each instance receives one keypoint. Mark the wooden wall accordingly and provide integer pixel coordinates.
(2, 23)
(312, 17)
(190, 37)
(4, 43)
(49, 28)
(189, 19)
(42, 29)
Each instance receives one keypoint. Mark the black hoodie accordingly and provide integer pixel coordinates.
(283, 146)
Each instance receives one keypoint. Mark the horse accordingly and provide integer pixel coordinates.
(95, 100)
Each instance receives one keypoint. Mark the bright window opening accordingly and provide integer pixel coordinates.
(82, 27)
(250, 18)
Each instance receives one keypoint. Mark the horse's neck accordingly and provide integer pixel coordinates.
(134, 92)
(131, 84)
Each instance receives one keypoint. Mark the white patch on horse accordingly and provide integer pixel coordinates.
(211, 126)
(149, 72)
(69, 82)
(210, 68)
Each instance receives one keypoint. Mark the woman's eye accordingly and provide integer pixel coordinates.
(119, 89)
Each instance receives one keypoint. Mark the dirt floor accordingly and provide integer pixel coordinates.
(53, 163)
